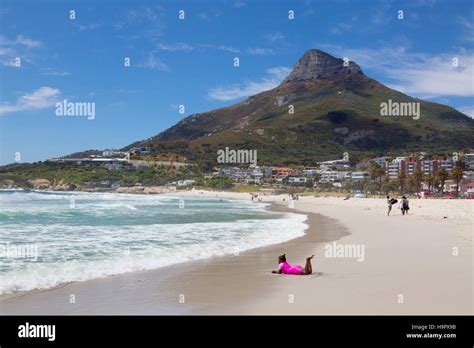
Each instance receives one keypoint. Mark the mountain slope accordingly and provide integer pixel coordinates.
(336, 109)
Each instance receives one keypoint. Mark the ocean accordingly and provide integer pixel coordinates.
(51, 238)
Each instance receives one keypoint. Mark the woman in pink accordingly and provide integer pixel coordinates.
(284, 267)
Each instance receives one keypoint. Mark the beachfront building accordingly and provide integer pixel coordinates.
(339, 163)
(115, 153)
(311, 171)
(280, 173)
(469, 192)
(469, 175)
(251, 175)
(141, 150)
(255, 176)
(296, 180)
(428, 167)
(410, 165)
(235, 173)
(185, 183)
(393, 169)
(334, 175)
(469, 158)
(380, 161)
(360, 175)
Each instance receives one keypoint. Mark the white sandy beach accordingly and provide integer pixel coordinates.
(404, 255)
(409, 267)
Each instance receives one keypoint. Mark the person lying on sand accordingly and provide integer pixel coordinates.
(285, 268)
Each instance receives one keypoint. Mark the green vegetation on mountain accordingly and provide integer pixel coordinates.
(336, 109)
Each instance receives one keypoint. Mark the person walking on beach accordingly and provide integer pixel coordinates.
(285, 268)
(389, 204)
(405, 206)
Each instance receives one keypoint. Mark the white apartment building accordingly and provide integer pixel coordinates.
(333, 175)
(359, 175)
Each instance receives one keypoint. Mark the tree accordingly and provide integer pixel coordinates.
(374, 170)
(429, 181)
(442, 176)
(316, 177)
(390, 186)
(402, 181)
(436, 182)
(457, 176)
(410, 184)
(309, 183)
(417, 178)
(377, 172)
(381, 174)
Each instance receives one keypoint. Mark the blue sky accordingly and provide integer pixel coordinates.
(190, 62)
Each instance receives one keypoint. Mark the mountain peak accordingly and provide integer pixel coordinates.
(318, 65)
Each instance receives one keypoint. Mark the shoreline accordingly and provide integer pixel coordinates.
(409, 256)
(165, 190)
(188, 276)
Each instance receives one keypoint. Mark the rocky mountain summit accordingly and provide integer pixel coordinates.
(319, 65)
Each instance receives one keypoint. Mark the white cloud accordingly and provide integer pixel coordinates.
(308, 11)
(468, 110)
(340, 28)
(27, 42)
(437, 77)
(274, 37)
(228, 49)
(58, 73)
(239, 4)
(6, 51)
(279, 72)
(204, 16)
(418, 74)
(274, 78)
(185, 47)
(469, 28)
(383, 14)
(260, 51)
(51, 72)
(91, 26)
(144, 16)
(20, 47)
(180, 46)
(42, 98)
(220, 48)
(154, 64)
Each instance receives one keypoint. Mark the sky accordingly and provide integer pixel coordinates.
(52, 51)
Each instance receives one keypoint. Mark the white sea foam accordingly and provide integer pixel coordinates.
(122, 239)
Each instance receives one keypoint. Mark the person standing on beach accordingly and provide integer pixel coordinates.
(389, 203)
(405, 206)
